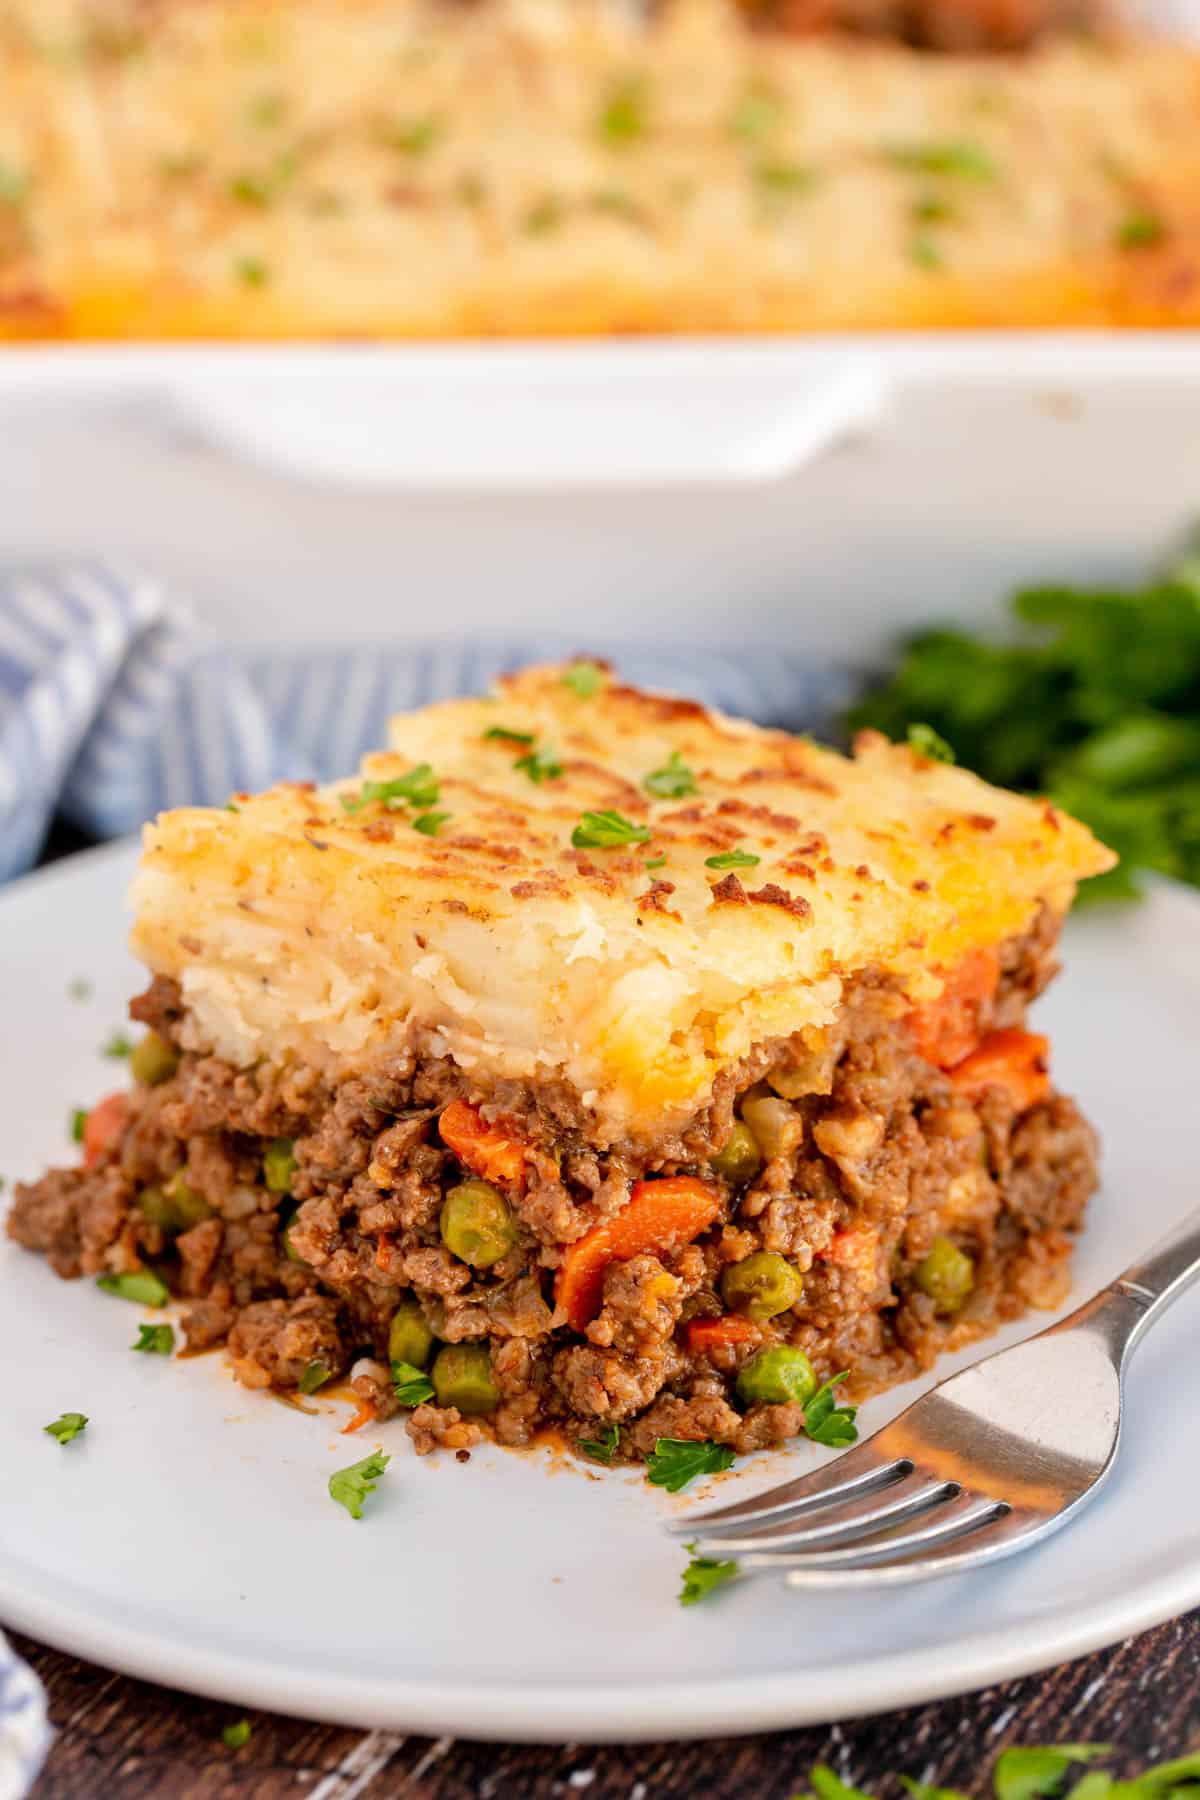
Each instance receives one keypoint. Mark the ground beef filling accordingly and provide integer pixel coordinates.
(295, 1220)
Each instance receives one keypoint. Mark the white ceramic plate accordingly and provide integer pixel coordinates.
(188, 1536)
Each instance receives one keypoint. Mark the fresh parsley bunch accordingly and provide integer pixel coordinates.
(1042, 1773)
(1095, 702)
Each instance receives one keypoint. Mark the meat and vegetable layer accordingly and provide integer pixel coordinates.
(832, 1147)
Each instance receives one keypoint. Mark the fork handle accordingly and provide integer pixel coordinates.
(1138, 1298)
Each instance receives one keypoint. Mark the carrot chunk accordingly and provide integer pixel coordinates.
(659, 1215)
(102, 1129)
(1017, 1061)
(720, 1334)
(490, 1149)
(947, 1029)
(364, 1415)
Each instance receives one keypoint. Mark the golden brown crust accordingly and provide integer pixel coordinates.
(232, 177)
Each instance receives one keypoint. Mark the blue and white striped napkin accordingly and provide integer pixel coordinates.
(113, 705)
(24, 1732)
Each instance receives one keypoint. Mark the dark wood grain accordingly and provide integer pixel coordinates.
(125, 1740)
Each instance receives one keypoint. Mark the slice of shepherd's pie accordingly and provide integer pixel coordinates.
(592, 1060)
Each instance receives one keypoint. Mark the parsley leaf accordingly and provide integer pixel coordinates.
(756, 114)
(234, 1736)
(952, 157)
(1037, 1774)
(313, 1376)
(412, 137)
(780, 179)
(921, 1790)
(78, 1124)
(251, 271)
(926, 742)
(732, 859)
(655, 862)
(420, 787)
(603, 1448)
(828, 1786)
(117, 1046)
(674, 1462)
(412, 1385)
(606, 830)
(80, 988)
(583, 678)
(623, 116)
(430, 823)
(702, 1575)
(1138, 230)
(141, 1286)
(826, 1423)
(673, 781)
(67, 1427)
(540, 765)
(500, 734)
(350, 1487)
(156, 1340)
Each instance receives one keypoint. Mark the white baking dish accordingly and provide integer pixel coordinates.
(818, 493)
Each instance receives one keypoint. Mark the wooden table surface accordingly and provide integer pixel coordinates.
(125, 1740)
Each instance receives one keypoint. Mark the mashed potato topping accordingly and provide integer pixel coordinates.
(580, 882)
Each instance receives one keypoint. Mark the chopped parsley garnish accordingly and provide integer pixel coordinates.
(420, 787)
(925, 253)
(1138, 230)
(430, 823)
(544, 216)
(623, 115)
(583, 678)
(656, 862)
(251, 190)
(155, 1340)
(1036, 1773)
(927, 742)
(953, 157)
(603, 1448)
(672, 781)
(350, 1487)
(674, 1462)
(234, 1736)
(141, 1286)
(829, 1424)
(267, 110)
(780, 179)
(251, 271)
(313, 1376)
(500, 734)
(412, 1385)
(606, 830)
(117, 1046)
(932, 209)
(67, 1427)
(80, 988)
(14, 184)
(702, 1575)
(756, 114)
(78, 1124)
(540, 764)
(413, 137)
(828, 1786)
(615, 201)
(732, 859)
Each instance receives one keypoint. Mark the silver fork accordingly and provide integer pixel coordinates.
(988, 1462)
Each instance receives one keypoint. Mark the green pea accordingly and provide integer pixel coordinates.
(779, 1374)
(476, 1224)
(947, 1275)
(153, 1060)
(279, 1165)
(157, 1208)
(409, 1338)
(761, 1285)
(462, 1377)
(188, 1207)
(740, 1159)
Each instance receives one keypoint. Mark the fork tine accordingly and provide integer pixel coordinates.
(853, 1476)
(880, 1511)
(953, 1521)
